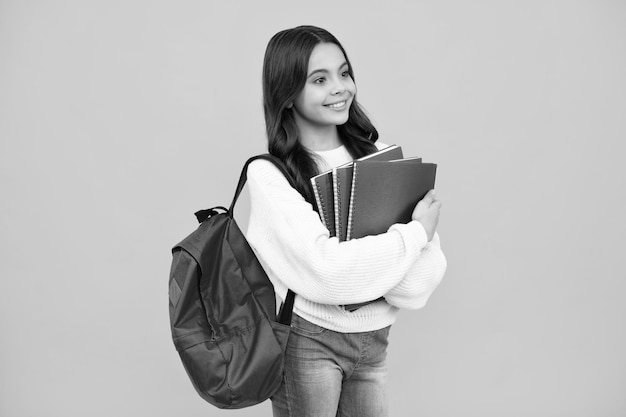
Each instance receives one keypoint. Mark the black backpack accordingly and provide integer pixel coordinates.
(223, 310)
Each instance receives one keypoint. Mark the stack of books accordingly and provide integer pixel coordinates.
(367, 196)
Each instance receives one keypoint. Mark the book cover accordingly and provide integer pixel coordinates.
(323, 191)
(385, 193)
(342, 186)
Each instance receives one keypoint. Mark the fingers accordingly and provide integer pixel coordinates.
(427, 206)
(430, 198)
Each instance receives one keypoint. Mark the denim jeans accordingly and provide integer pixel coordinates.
(330, 374)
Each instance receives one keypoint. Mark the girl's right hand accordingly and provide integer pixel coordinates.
(427, 213)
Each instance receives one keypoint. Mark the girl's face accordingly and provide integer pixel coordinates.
(328, 91)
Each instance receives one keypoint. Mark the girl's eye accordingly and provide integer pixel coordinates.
(345, 74)
(319, 80)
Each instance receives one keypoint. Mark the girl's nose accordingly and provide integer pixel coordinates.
(339, 88)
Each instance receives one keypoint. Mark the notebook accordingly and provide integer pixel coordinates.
(325, 184)
(342, 186)
(385, 192)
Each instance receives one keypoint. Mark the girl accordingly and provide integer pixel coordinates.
(335, 359)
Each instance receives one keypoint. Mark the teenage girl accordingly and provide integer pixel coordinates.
(335, 359)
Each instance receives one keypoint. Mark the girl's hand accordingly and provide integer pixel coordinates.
(427, 213)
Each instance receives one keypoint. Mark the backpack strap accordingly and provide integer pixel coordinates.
(286, 310)
(244, 176)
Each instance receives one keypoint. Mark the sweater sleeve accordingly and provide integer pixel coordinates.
(422, 279)
(295, 248)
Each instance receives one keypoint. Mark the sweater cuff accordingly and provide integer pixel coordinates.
(413, 235)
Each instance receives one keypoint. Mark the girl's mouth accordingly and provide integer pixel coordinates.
(338, 105)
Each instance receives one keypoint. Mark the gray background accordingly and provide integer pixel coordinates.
(118, 119)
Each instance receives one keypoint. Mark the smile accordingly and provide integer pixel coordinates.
(337, 105)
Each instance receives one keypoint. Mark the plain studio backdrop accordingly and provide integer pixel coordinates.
(119, 119)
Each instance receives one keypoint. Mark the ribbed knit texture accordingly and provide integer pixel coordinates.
(297, 252)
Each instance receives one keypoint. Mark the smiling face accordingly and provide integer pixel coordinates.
(325, 100)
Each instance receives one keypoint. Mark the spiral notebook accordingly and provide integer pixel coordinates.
(342, 186)
(332, 191)
(386, 192)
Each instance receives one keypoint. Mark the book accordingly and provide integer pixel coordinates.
(342, 186)
(386, 192)
(355, 189)
(324, 191)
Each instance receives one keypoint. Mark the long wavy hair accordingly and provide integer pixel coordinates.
(285, 70)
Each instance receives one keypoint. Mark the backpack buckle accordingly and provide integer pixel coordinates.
(205, 214)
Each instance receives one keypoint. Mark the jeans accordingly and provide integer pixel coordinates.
(330, 374)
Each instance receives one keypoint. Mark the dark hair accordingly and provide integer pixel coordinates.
(284, 74)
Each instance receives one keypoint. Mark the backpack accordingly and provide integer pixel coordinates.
(223, 310)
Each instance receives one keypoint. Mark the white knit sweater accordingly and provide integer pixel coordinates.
(297, 252)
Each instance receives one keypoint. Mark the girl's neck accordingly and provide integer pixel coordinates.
(320, 139)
